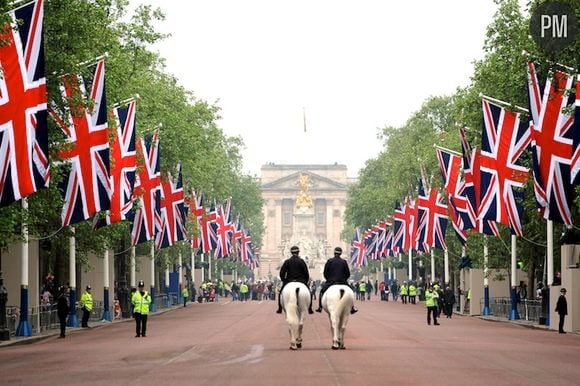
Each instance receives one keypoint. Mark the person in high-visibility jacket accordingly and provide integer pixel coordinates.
(87, 306)
(244, 290)
(141, 301)
(185, 294)
(404, 291)
(431, 302)
(412, 293)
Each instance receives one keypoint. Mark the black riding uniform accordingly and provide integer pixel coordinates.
(294, 269)
(336, 271)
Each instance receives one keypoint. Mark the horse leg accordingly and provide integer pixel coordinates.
(299, 338)
(334, 327)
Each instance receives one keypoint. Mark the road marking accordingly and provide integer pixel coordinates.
(254, 356)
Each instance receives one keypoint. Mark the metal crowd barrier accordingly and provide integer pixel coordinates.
(530, 310)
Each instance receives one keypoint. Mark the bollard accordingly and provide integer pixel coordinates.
(4, 332)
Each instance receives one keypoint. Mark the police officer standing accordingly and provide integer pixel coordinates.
(294, 269)
(87, 306)
(336, 271)
(141, 301)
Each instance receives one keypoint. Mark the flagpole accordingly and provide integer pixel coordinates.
(446, 265)
(503, 103)
(169, 301)
(550, 263)
(202, 268)
(125, 101)
(462, 281)
(432, 264)
(72, 316)
(133, 267)
(410, 264)
(514, 315)
(152, 291)
(24, 328)
(486, 310)
(106, 304)
(180, 275)
(447, 150)
(209, 275)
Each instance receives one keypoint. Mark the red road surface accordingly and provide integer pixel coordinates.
(247, 344)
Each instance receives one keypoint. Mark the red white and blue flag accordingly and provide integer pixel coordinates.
(472, 191)
(551, 130)
(400, 228)
(24, 167)
(224, 230)
(86, 187)
(432, 220)
(575, 164)
(246, 249)
(123, 163)
(147, 190)
(196, 212)
(503, 140)
(208, 239)
(173, 213)
(357, 252)
(450, 165)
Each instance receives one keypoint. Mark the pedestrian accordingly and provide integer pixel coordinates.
(117, 309)
(449, 301)
(562, 310)
(185, 294)
(294, 269)
(336, 271)
(62, 310)
(369, 289)
(412, 293)
(431, 302)
(404, 290)
(141, 301)
(87, 306)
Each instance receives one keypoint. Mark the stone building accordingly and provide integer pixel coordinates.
(304, 206)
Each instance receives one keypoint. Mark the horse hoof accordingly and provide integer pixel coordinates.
(342, 348)
(293, 348)
(299, 345)
(334, 347)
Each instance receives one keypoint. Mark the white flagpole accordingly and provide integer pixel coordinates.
(152, 292)
(410, 264)
(486, 310)
(514, 315)
(202, 268)
(550, 249)
(24, 328)
(133, 267)
(446, 264)
(432, 264)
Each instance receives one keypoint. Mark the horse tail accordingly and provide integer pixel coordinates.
(297, 297)
(341, 293)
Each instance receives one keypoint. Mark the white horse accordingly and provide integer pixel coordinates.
(295, 299)
(337, 301)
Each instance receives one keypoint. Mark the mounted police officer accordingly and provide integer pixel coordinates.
(294, 269)
(336, 271)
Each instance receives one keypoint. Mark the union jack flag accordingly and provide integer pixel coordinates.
(432, 220)
(381, 229)
(24, 167)
(196, 211)
(450, 165)
(357, 253)
(86, 186)
(223, 230)
(124, 163)
(503, 140)
(247, 250)
(237, 237)
(412, 214)
(173, 213)
(147, 189)
(389, 244)
(575, 164)
(208, 237)
(472, 191)
(551, 145)
(400, 227)
(370, 244)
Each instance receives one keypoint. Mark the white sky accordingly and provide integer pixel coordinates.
(353, 66)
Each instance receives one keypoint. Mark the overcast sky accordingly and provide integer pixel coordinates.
(349, 67)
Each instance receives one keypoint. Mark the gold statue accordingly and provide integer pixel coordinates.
(304, 197)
